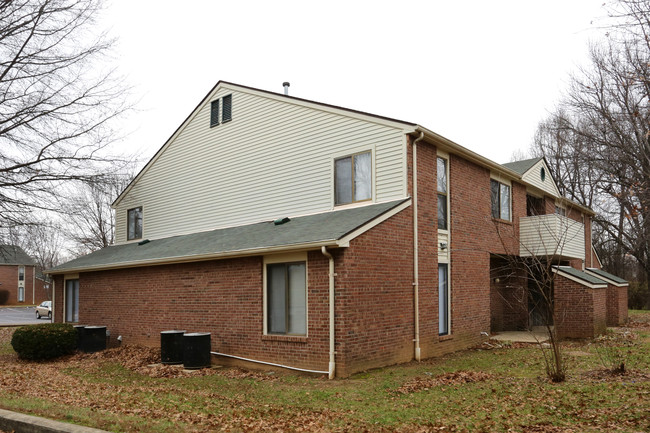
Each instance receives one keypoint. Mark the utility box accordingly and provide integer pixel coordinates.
(171, 347)
(196, 350)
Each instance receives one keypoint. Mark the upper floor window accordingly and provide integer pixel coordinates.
(134, 223)
(286, 294)
(442, 193)
(500, 198)
(21, 273)
(353, 178)
(560, 210)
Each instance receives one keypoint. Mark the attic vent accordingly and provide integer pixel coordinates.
(281, 221)
(227, 108)
(214, 113)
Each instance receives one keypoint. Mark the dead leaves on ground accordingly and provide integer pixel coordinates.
(448, 379)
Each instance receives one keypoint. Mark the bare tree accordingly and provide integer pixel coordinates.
(91, 221)
(598, 140)
(58, 102)
(530, 270)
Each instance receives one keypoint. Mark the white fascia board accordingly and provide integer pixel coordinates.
(344, 242)
(577, 280)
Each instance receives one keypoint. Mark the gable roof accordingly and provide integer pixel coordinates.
(14, 255)
(333, 229)
(278, 96)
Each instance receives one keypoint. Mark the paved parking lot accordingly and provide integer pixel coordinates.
(19, 316)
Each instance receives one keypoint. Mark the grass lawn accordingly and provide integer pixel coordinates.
(498, 389)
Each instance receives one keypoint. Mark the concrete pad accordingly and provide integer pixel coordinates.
(20, 423)
(535, 336)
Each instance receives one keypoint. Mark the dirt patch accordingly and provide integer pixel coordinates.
(448, 379)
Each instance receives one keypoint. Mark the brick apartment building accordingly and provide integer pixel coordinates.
(326, 239)
(20, 283)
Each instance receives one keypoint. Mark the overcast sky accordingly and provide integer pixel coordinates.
(481, 73)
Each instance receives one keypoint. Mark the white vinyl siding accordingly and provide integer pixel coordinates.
(551, 235)
(533, 177)
(274, 159)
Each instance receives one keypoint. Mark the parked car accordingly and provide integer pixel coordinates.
(45, 309)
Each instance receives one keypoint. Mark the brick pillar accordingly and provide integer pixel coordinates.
(580, 311)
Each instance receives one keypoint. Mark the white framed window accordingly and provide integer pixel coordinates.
(134, 223)
(443, 299)
(442, 187)
(72, 300)
(353, 178)
(285, 295)
(21, 284)
(500, 200)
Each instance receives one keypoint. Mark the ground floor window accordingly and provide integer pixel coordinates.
(72, 301)
(286, 298)
(443, 299)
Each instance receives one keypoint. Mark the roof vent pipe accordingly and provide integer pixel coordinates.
(286, 88)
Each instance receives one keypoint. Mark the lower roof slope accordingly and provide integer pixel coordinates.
(327, 229)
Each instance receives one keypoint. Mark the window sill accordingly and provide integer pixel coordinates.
(499, 220)
(286, 338)
(445, 337)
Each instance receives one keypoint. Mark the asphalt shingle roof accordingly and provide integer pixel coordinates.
(14, 255)
(580, 275)
(607, 275)
(522, 166)
(328, 226)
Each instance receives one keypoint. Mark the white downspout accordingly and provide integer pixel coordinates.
(53, 297)
(416, 253)
(332, 364)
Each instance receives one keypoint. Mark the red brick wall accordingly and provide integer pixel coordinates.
(222, 297)
(374, 304)
(616, 305)
(580, 312)
(374, 297)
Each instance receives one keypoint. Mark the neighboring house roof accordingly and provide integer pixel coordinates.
(607, 277)
(579, 276)
(522, 166)
(333, 229)
(14, 255)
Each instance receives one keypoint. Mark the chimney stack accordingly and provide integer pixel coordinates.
(286, 88)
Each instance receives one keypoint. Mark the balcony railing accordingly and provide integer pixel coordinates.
(551, 235)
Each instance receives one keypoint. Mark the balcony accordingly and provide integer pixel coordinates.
(551, 235)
